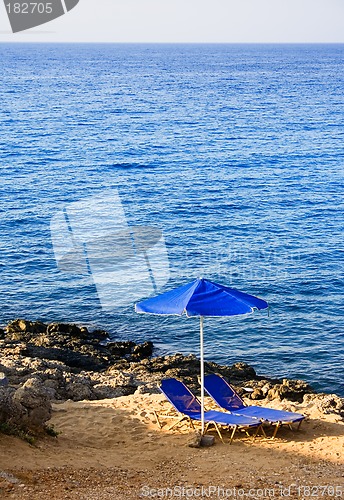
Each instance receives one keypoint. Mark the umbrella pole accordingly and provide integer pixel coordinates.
(202, 373)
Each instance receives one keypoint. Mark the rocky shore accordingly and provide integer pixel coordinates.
(44, 363)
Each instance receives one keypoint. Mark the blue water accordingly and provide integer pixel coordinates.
(234, 151)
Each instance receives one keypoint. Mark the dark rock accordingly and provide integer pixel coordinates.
(187, 368)
(326, 403)
(73, 363)
(195, 440)
(116, 383)
(8, 409)
(130, 350)
(33, 405)
(257, 394)
(183, 364)
(254, 389)
(147, 388)
(207, 440)
(99, 335)
(67, 356)
(242, 371)
(9, 478)
(66, 328)
(265, 386)
(79, 390)
(293, 390)
(106, 391)
(3, 380)
(142, 351)
(121, 349)
(22, 325)
(21, 329)
(239, 372)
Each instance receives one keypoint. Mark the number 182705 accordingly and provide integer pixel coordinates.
(29, 8)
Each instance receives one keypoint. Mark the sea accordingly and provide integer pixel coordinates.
(232, 155)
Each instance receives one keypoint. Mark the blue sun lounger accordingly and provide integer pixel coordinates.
(189, 408)
(226, 397)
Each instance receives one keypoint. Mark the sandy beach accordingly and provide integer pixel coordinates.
(113, 449)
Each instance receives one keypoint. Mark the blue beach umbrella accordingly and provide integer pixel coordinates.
(202, 298)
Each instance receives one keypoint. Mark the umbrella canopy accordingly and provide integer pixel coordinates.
(202, 298)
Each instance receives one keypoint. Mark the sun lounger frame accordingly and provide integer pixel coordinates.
(181, 417)
(276, 423)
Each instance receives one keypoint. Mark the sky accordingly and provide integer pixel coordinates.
(190, 21)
